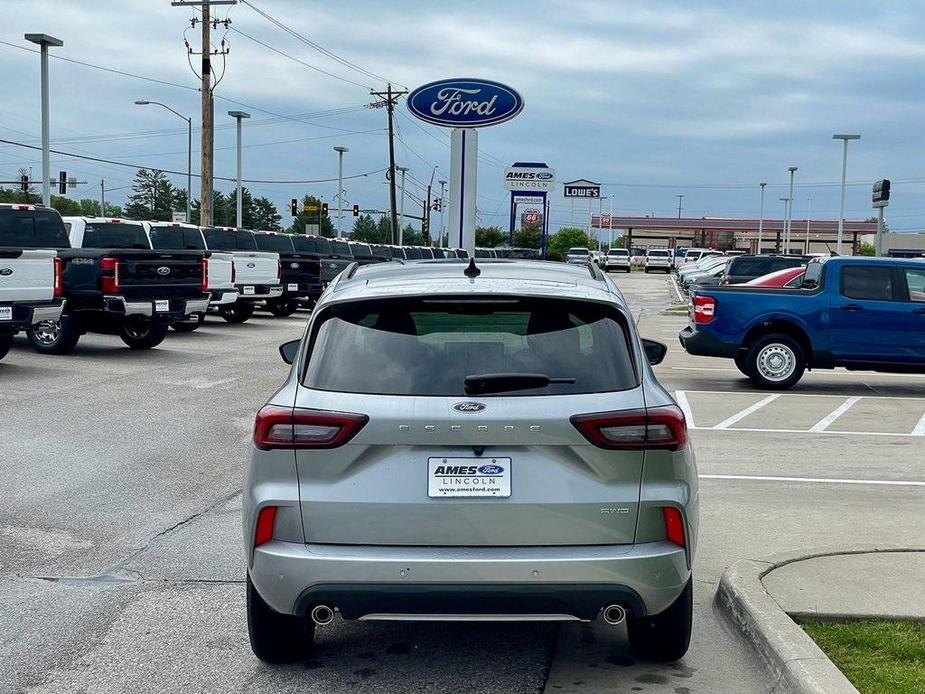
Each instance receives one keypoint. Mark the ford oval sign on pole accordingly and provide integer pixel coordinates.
(464, 104)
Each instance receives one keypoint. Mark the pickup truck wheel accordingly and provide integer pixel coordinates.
(281, 308)
(775, 361)
(275, 637)
(142, 333)
(54, 336)
(664, 637)
(188, 326)
(238, 312)
(6, 341)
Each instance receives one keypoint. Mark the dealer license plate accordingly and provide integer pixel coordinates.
(6, 313)
(468, 477)
(162, 305)
(292, 287)
(248, 290)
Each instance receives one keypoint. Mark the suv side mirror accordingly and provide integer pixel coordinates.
(655, 351)
(290, 350)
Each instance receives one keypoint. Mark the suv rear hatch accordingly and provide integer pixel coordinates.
(436, 462)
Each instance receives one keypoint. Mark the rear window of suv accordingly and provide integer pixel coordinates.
(428, 347)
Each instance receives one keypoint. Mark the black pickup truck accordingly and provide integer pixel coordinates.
(300, 273)
(333, 254)
(113, 283)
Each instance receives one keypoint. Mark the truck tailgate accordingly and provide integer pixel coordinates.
(220, 270)
(26, 275)
(256, 267)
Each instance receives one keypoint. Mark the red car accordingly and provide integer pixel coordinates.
(788, 278)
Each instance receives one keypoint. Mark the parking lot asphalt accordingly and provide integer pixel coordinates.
(121, 565)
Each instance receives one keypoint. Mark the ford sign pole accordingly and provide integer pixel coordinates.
(464, 105)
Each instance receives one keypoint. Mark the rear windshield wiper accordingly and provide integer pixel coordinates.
(481, 384)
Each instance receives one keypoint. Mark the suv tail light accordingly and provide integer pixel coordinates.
(204, 284)
(704, 309)
(287, 427)
(674, 526)
(661, 428)
(59, 278)
(109, 268)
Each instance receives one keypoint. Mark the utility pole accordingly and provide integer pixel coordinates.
(809, 212)
(760, 218)
(44, 41)
(442, 203)
(390, 98)
(102, 198)
(680, 198)
(844, 173)
(401, 206)
(425, 220)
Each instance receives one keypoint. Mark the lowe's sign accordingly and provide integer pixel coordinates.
(582, 188)
(465, 103)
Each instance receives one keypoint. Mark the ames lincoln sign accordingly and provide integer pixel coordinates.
(465, 103)
(529, 177)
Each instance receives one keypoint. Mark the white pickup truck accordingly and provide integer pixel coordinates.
(30, 279)
(220, 274)
(257, 273)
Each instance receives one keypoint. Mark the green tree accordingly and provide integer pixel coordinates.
(266, 215)
(303, 218)
(152, 196)
(529, 236)
(66, 206)
(384, 229)
(364, 228)
(866, 248)
(557, 244)
(489, 237)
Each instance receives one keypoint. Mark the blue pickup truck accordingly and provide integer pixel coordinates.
(853, 312)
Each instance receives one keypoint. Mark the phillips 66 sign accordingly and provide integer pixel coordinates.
(465, 103)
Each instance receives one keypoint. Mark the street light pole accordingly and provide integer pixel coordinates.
(809, 212)
(239, 116)
(844, 174)
(189, 153)
(680, 198)
(340, 185)
(401, 205)
(44, 41)
(442, 203)
(761, 217)
(789, 222)
(785, 201)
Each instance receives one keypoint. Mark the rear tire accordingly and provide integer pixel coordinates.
(6, 341)
(54, 337)
(238, 312)
(276, 637)
(665, 637)
(775, 362)
(189, 326)
(742, 364)
(140, 333)
(282, 308)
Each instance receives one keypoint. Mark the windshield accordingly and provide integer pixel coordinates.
(114, 235)
(176, 238)
(429, 346)
(235, 240)
(274, 243)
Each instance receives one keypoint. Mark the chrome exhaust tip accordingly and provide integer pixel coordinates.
(614, 614)
(322, 615)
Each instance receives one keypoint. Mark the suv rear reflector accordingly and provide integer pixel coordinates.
(263, 532)
(704, 309)
(286, 427)
(674, 526)
(661, 428)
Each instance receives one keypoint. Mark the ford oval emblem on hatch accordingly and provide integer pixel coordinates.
(163, 270)
(251, 265)
(469, 406)
(6, 271)
(465, 103)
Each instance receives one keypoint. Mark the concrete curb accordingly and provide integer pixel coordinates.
(797, 664)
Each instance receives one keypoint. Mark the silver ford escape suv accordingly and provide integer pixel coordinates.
(470, 443)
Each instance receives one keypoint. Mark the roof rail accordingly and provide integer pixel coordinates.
(351, 270)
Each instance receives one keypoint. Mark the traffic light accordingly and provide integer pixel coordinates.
(62, 182)
(324, 209)
(294, 207)
(356, 210)
(24, 183)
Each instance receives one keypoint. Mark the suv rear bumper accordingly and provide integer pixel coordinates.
(26, 314)
(570, 582)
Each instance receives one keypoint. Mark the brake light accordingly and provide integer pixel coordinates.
(704, 309)
(59, 273)
(234, 273)
(287, 427)
(263, 533)
(661, 428)
(204, 284)
(109, 267)
(279, 270)
(674, 526)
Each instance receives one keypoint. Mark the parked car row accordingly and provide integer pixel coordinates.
(716, 270)
(61, 278)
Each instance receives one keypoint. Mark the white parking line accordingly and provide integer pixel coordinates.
(828, 372)
(739, 430)
(816, 480)
(677, 290)
(729, 421)
(681, 397)
(830, 418)
(802, 395)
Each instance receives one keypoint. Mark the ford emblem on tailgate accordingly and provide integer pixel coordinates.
(6, 271)
(251, 265)
(163, 270)
(294, 266)
(469, 407)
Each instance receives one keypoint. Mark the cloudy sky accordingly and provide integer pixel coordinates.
(651, 99)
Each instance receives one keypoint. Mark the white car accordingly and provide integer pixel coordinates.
(578, 256)
(658, 259)
(617, 259)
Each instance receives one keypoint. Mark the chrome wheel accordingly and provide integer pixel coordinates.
(47, 332)
(776, 362)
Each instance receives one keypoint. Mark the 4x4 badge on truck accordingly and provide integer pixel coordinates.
(163, 270)
(469, 407)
